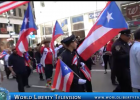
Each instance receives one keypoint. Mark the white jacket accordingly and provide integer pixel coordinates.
(135, 65)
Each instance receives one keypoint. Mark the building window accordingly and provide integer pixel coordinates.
(17, 28)
(19, 11)
(14, 12)
(24, 11)
(77, 19)
(48, 28)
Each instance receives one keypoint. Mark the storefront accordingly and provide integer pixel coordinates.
(131, 12)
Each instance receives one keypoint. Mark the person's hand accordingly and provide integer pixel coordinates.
(13, 73)
(81, 81)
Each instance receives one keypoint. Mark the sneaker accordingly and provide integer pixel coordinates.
(48, 86)
(52, 89)
(41, 79)
(28, 86)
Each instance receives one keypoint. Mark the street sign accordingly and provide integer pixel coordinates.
(9, 28)
(32, 36)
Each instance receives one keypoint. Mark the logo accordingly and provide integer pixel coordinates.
(4, 94)
(132, 10)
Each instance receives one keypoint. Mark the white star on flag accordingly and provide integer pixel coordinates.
(26, 21)
(66, 68)
(109, 16)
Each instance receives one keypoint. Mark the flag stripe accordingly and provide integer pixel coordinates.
(69, 82)
(65, 81)
(59, 80)
(56, 73)
(5, 4)
(98, 44)
(90, 40)
(11, 5)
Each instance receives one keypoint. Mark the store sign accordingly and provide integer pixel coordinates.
(3, 30)
(97, 14)
(132, 10)
(134, 23)
(91, 15)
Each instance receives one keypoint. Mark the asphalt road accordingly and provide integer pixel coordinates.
(100, 82)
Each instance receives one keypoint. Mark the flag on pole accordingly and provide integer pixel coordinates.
(57, 31)
(8, 5)
(28, 26)
(63, 77)
(39, 68)
(108, 25)
(2, 54)
(84, 69)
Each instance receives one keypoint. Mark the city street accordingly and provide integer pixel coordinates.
(101, 82)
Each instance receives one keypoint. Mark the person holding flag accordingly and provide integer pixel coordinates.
(16, 60)
(70, 58)
(28, 66)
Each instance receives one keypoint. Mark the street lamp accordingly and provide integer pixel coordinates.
(7, 16)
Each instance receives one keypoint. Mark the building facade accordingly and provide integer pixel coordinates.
(74, 17)
(131, 13)
(15, 20)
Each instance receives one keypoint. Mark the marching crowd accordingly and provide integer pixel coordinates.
(121, 54)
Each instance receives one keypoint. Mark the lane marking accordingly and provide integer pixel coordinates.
(36, 86)
(100, 70)
(44, 87)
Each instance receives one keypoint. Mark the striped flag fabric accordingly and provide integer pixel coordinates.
(2, 54)
(63, 77)
(8, 5)
(28, 26)
(108, 25)
(75, 60)
(39, 68)
(84, 69)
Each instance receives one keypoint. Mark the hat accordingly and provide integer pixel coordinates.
(126, 32)
(46, 41)
(69, 39)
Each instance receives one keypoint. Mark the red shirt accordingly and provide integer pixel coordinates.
(109, 46)
(47, 55)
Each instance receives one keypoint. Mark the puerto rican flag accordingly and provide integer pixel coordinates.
(75, 60)
(108, 25)
(84, 69)
(57, 31)
(63, 77)
(2, 54)
(39, 68)
(8, 5)
(26, 57)
(27, 27)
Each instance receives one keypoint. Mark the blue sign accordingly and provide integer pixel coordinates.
(91, 15)
(32, 36)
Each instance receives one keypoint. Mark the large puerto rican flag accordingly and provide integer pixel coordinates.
(27, 27)
(63, 77)
(57, 31)
(8, 5)
(108, 25)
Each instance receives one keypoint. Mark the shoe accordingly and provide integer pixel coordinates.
(48, 85)
(105, 72)
(52, 89)
(28, 86)
(41, 79)
(114, 83)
